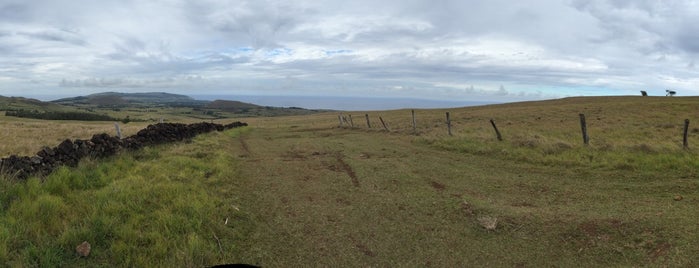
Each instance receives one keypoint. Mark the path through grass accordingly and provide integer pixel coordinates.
(343, 197)
(299, 191)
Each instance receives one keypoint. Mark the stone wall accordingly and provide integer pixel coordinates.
(69, 153)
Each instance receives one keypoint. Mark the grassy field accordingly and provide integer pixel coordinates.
(301, 191)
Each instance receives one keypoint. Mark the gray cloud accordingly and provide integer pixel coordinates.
(13, 11)
(64, 36)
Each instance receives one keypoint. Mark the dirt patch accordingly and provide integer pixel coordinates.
(343, 166)
(364, 249)
(660, 250)
(613, 235)
(292, 155)
(343, 201)
(533, 189)
(522, 204)
(437, 186)
(600, 229)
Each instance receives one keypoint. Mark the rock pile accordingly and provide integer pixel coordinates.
(69, 153)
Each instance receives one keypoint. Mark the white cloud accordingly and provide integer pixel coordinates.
(442, 49)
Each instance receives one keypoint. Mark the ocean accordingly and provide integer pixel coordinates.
(342, 103)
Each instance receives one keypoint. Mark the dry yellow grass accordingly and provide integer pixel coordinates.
(23, 136)
(653, 124)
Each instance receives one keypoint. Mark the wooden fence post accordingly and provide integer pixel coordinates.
(583, 126)
(497, 132)
(367, 120)
(448, 124)
(414, 123)
(384, 124)
(339, 117)
(351, 122)
(685, 144)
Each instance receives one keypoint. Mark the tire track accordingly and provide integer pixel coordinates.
(347, 169)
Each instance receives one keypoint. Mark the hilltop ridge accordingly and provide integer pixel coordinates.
(117, 98)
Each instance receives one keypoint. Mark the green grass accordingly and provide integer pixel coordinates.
(154, 208)
(417, 206)
(301, 191)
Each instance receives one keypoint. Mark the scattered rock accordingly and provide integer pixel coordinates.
(678, 197)
(488, 222)
(83, 249)
(467, 208)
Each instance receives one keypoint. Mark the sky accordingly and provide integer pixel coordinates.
(445, 50)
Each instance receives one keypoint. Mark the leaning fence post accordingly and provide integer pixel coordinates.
(497, 132)
(583, 126)
(685, 144)
(383, 123)
(448, 124)
(351, 122)
(118, 130)
(339, 117)
(414, 123)
(367, 120)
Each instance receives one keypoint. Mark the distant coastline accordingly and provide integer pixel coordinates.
(342, 103)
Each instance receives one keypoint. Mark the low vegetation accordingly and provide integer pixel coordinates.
(149, 208)
(301, 191)
(79, 116)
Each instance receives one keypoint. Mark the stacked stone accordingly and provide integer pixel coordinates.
(69, 153)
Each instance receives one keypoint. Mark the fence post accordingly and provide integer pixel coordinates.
(414, 123)
(351, 122)
(367, 120)
(497, 132)
(448, 124)
(384, 124)
(118, 130)
(685, 144)
(339, 117)
(583, 126)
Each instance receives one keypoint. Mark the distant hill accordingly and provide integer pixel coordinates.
(16, 103)
(232, 106)
(116, 99)
(140, 106)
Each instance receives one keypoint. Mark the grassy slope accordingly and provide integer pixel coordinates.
(159, 207)
(411, 203)
(300, 191)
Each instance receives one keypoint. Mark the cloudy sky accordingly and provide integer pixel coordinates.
(494, 50)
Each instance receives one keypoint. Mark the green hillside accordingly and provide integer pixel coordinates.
(305, 191)
(227, 105)
(117, 99)
(17, 103)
